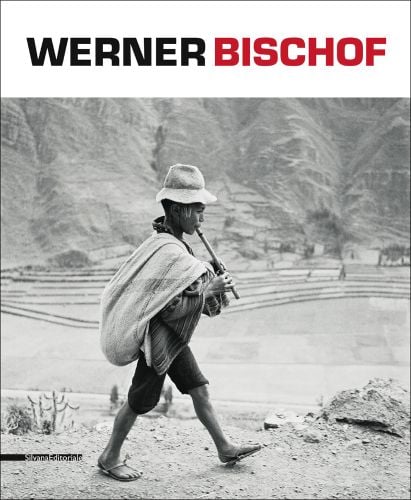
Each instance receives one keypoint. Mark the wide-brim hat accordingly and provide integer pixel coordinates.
(185, 184)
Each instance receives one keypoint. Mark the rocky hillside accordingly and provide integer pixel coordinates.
(81, 174)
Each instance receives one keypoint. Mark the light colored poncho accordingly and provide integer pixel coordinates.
(157, 271)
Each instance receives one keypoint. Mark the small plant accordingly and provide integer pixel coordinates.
(45, 418)
(229, 221)
(166, 399)
(168, 394)
(17, 420)
(46, 427)
(114, 398)
(287, 247)
(114, 394)
(308, 251)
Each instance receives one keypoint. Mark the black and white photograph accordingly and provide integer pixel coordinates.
(205, 297)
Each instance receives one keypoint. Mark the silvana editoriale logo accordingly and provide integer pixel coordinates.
(226, 51)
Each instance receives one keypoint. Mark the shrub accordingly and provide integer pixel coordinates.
(287, 247)
(114, 395)
(71, 259)
(328, 221)
(395, 251)
(116, 399)
(229, 221)
(308, 251)
(17, 419)
(46, 427)
(248, 253)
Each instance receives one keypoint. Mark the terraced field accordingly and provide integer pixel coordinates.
(295, 335)
(71, 298)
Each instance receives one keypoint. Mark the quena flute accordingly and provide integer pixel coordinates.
(215, 258)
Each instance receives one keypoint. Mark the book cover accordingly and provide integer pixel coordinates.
(297, 115)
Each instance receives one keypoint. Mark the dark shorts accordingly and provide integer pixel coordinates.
(145, 389)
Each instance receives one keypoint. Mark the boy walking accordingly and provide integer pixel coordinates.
(149, 311)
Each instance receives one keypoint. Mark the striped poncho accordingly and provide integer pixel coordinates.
(145, 304)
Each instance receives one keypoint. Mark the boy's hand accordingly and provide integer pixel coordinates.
(222, 265)
(219, 284)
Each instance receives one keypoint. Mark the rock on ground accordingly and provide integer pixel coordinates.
(382, 405)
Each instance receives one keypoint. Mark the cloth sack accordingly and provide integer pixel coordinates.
(156, 272)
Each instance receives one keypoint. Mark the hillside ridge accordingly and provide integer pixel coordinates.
(82, 174)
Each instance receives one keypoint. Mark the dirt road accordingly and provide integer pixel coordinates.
(311, 460)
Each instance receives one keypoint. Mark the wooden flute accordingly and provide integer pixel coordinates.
(215, 258)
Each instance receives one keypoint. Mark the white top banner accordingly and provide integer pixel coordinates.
(205, 49)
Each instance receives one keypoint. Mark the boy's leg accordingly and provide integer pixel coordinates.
(187, 376)
(208, 417)
(143, 396)
(110, 457)
(204, 409)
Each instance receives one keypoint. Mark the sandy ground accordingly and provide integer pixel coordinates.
(178, 460)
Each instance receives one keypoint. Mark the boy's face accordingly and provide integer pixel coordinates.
(192, 218)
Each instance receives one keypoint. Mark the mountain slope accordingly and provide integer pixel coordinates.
(83, 173)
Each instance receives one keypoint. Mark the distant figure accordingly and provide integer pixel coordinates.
(342, 273)
(352, 255)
